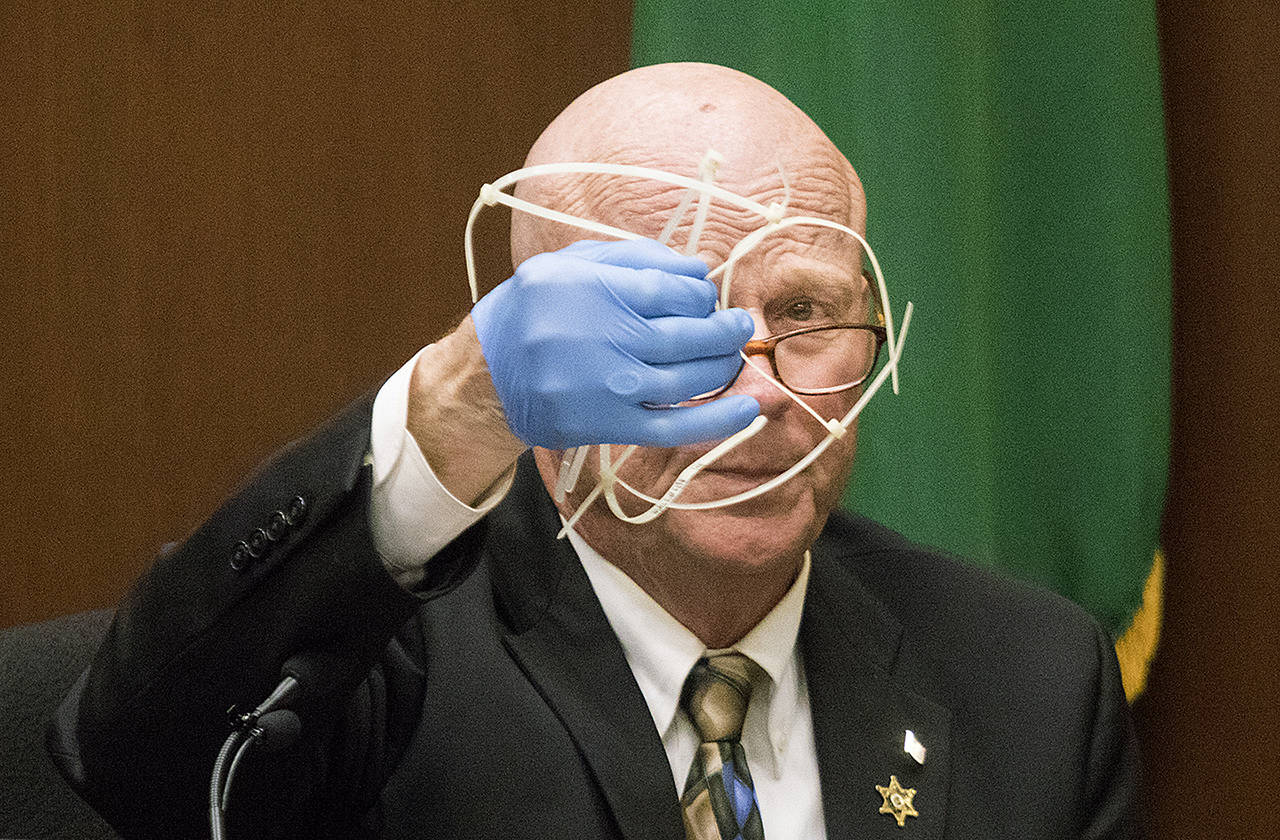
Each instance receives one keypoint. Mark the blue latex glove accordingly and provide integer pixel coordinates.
(578, 340)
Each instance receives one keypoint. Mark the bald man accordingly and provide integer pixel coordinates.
(766, 669)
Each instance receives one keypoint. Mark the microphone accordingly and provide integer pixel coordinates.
(283, 693)
(274, 731)
(272, 725)
(277, 730)
(317, 674)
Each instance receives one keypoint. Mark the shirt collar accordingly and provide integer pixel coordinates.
(661, 651)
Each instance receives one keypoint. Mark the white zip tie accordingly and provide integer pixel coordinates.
(682, 481)
(804, 462)
(828, 424)
(775, 219)
(610, 475)
(570, 468)
(599, 488)
(682, 209)
(707, 168)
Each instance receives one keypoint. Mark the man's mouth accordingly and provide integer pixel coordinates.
(748, 472)
(754, 461)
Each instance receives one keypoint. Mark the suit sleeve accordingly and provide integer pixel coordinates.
(1111, 798)
(287, 566)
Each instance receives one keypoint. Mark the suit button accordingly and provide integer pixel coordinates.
(297, 510)
(241, 556)
(277, 526)
(259, 542)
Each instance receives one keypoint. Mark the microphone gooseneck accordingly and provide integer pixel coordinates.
(271, 727)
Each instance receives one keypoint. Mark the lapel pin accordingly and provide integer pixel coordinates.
(911, 746)
(897, 801)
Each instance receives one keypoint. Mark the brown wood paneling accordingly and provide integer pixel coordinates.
(220, 222)
(1210, 722)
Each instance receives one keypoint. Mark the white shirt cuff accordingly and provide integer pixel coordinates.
(411, 514)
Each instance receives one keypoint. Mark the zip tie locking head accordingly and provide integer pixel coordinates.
(488, 195)
(776, 211)
(710, 165)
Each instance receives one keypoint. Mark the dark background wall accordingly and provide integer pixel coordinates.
(221, 221)
(1210, 722)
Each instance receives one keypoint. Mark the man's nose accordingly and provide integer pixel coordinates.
(756, 377)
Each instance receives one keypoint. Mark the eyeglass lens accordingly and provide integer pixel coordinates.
(823, 359)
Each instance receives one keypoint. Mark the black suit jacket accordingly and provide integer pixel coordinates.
(498, 702)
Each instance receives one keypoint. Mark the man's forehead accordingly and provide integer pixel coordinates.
(788, 264)
(665, 116)
(674, 106)
(668, 117)
(809, 180)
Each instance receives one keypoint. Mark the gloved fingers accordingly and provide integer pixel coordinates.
(638, 253)
(676, 339)
(653, 293)
(671, 384)
(712, 420)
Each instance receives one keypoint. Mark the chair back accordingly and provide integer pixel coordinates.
(38, 665)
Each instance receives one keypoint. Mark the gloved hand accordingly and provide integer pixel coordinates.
(578, 340)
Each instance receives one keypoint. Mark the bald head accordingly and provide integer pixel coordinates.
(666, 117)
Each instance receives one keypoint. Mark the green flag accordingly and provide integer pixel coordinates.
(1013, 159)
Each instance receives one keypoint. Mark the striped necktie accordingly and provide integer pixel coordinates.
(719, 800)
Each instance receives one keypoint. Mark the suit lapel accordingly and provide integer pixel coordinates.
(861, 713)
(560, 638)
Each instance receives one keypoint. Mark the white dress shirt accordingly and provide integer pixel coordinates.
(413, 516)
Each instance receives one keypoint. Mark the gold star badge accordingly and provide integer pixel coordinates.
(897, 801)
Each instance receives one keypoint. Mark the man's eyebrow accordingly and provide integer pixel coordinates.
(847, 286)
